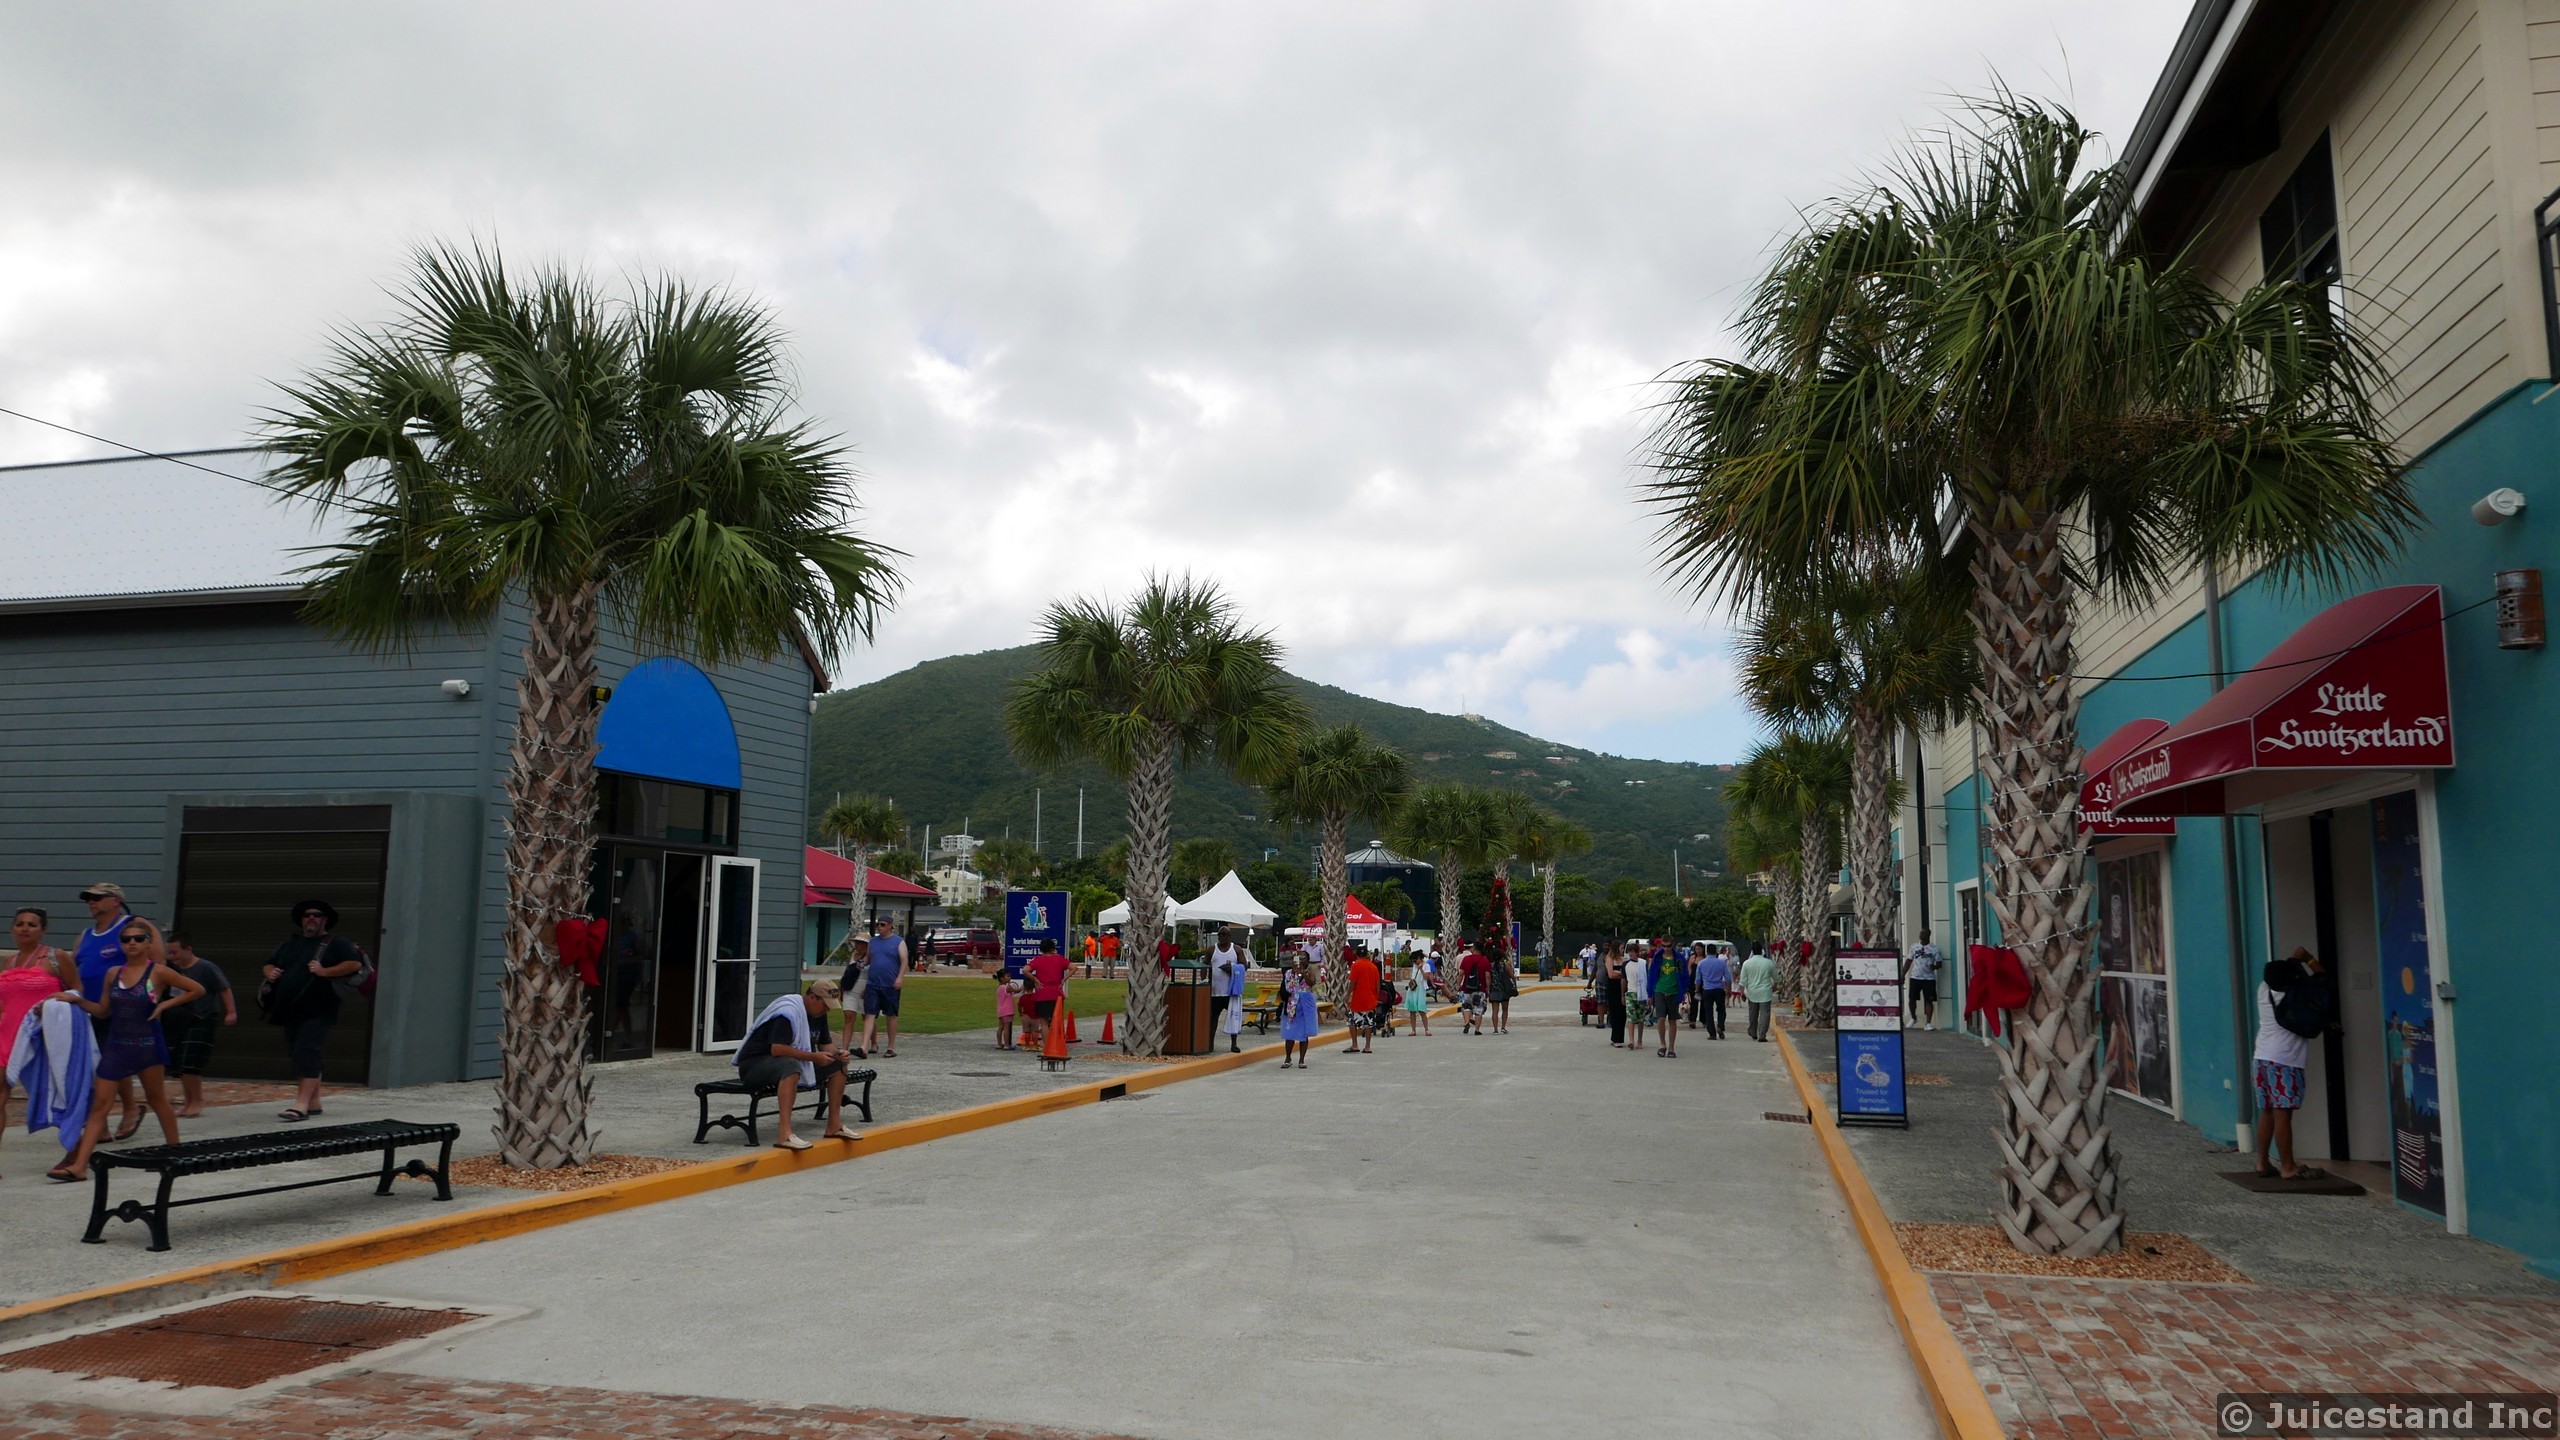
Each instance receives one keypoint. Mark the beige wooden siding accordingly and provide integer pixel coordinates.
(2542, 48)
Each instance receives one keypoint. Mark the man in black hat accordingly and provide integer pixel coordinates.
(300, 997)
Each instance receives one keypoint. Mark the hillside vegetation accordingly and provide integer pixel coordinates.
(932, 739)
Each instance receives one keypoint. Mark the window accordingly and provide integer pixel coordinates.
(2298, 234)
(663, 810)
(2133, 981)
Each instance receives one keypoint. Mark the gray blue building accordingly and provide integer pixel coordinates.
(168, 722)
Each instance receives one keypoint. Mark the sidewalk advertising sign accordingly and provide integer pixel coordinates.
(1031, 916)
(1866, 1038)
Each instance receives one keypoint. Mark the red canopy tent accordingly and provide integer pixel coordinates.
(1352, 911)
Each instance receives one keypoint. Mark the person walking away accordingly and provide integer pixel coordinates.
(35, 972)
(1111, 952)
(1502, 984)
(1046, 974)
(1759, 989)
(2293, 1005)
(1713, 977)
(1635, 993)
(1008, 999)
(1297, 1013)
(134, 1048)
(301, 1001)
(1474, 974)
(1233, 1022)
(197, 1022)
(98, 954)
(884, 987)
(1416, 981)
(1921, 970)
(1363, 1003)
(1226, 968)
(790, 1049)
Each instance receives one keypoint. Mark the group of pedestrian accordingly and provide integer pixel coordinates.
(875, 982)
(1653, 990)
(91, 1036)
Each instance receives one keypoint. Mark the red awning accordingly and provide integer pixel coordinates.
(2097, 816)
(2361, 686)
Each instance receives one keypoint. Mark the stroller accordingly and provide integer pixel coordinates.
(1383, 1019)
(1591, 1001)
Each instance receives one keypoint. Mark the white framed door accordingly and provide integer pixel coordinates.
(730, 900)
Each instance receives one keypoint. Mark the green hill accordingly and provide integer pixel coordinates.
(932, 739)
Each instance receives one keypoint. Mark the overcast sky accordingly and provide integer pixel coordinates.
(1351, 306)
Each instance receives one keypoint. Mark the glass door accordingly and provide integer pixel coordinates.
(729, 969)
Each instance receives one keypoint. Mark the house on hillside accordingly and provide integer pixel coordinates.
(169, 722)
(2350, 770)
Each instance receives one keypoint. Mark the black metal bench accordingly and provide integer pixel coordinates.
(812, 1098)
(1261, 1016)
(266, 1147)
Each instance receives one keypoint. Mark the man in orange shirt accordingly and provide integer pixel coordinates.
(1364, 1001)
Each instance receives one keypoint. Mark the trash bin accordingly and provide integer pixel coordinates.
(1187, 1030)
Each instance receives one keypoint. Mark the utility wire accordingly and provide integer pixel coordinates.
(145, 454)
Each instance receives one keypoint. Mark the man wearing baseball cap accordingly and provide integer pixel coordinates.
(101, 951)
(790, 1048)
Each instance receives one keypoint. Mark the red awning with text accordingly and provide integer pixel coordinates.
(2361, 686)
(2097, 812)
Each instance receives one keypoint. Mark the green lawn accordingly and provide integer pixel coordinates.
(940, 1004)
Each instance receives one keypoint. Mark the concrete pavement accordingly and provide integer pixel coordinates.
(1524, 1234)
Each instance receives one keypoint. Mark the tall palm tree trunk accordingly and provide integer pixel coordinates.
(1450, 929)
(1333, 873)
(2058, 1166)
(1813, 840)
(543, 1086)
(1787, 924)
(1871, 827)
(861, 891)
(1547, 910)
(1150, 856)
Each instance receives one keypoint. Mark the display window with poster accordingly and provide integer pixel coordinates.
(2133, 975)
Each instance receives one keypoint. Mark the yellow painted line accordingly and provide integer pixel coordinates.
(453, 1231)
(1964, 1411)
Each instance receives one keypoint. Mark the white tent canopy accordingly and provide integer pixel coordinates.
(1119, 914)
(1227, 903)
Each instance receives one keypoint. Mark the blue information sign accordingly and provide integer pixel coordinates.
(1031, 916)
(1866, 1037)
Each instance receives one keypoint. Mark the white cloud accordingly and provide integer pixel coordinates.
(1350, 306)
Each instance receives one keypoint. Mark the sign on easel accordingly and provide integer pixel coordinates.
(1031, 916)
(1866, 1037)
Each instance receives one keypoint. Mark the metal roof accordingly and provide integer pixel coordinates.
(187, 527)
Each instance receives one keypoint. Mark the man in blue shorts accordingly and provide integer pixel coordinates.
(884, 981)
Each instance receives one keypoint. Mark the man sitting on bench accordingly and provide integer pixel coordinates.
(789, 1048)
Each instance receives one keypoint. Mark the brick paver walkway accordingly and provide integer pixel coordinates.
(2076, 1358)
(383, 1405)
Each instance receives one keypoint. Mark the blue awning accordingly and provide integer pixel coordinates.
(666, 721)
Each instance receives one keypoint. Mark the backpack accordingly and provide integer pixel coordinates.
(2304, 1009)
(360, 985)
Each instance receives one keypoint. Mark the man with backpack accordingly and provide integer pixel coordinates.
(2293, 1005)
(302, 994)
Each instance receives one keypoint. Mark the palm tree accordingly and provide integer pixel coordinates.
(525, 442)
(1167, 680)
(1975, 337)
(1201, 860)
(1512, 812)
(1458, 825)
(1802, 781)
(1869, 652)
(1005, 860)
(899, 861)
(1386, 899)
(1114, 860)
(1543, 839)
(862, 823)
(1337, 777)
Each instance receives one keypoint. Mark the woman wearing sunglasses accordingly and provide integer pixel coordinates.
(131, 1004)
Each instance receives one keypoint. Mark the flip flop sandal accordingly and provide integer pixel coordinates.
(292, 1117)
(2309, 1172)
(130, 1129)
(888, 1054)
(64, 1176)
(793, 1143)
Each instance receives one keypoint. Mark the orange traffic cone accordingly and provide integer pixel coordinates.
(1053, 1051)
(1107, 1038)
(1072, 1037)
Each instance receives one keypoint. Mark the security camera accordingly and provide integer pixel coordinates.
(2498, 506)
(458, 689)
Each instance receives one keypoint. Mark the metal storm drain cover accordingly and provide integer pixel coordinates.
(236, 1344)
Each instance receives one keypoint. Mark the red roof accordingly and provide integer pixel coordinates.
(828, 871)
(2097, 815)
(2361, 686)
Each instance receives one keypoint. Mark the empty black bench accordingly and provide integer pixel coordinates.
(267, 1147)
(812, 1098)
